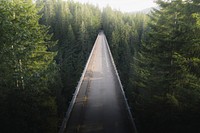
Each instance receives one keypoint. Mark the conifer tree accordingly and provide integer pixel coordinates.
(27, 69)
(166, 77)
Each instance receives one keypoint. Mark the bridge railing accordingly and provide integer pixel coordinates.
(123, 93)
(71, 105)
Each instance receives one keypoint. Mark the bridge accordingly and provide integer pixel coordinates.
(99, 104)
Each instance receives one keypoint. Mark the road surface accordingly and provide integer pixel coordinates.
(100, 106)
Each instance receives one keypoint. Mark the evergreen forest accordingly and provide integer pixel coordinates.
(45, 44)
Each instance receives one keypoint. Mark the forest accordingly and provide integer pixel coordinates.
(44, 46)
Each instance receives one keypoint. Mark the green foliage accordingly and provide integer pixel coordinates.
(75, 27)
(27, 69)
(165, 72)
(124, 33)
(157, 56)
(197, 16)
(159, 64)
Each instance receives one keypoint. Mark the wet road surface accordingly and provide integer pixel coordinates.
(100, 106)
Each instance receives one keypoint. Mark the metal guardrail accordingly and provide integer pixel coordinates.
(67, 116)
(124, 96)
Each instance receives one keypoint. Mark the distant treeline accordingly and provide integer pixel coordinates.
(44, 47)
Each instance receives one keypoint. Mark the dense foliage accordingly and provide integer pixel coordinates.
(75, 27)
(166, 79)
(44, 47)
(158, 60)
(28, 71)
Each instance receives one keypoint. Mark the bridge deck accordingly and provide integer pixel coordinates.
(99, 106)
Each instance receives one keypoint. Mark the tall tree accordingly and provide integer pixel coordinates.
(27, 69)
(166, 74)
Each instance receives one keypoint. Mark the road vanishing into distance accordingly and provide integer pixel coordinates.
(100, 106)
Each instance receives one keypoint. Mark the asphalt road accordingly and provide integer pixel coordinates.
(100, 107)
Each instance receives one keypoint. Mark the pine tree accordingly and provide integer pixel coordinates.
(166, 74)
(27, 69)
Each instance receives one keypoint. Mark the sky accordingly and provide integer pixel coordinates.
(122, 5)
